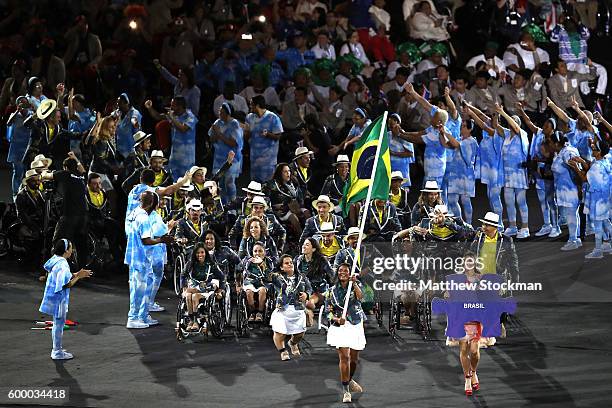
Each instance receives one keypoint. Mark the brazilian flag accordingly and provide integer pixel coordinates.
(362, 164)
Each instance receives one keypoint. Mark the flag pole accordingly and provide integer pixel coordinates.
(366, 208)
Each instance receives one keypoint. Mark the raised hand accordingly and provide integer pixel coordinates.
(148, 104)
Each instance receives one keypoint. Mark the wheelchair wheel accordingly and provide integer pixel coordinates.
(378, 311)
(242, 316)
(424, 316)
(216, 321)
(182, 318)
(227, 305)
(270, 305)
(393, 317)
(179, 265)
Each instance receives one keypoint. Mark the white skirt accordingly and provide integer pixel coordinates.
(347, 335)
(253, 288)
(288, 321)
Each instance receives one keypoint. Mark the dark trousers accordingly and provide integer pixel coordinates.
(74, 228)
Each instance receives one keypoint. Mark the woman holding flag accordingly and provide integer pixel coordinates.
(346, 327)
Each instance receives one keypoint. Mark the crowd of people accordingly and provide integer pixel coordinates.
(159, 115)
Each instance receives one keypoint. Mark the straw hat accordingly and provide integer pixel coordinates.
(38, 165)
(397, 175)
(46, 108)
(195, 169)
(326, 228)
(30, 174)
(44, 159)
(302, 151)
(140, 137)
(351, 232)
(323, 199)
(187, 187)
(259, 200)
(158, 154)
(194, 204)
(253, 188)
(342, 158)
(491, 218)
(431, 186)
(440, 208)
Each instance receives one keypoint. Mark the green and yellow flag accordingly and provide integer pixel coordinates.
(362, 165)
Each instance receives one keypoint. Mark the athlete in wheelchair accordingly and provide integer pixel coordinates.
(435, 240)
(189, 231)
(202, 305)
(256, 279)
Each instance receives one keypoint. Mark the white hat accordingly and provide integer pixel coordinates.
(210, 183)
(301, 151)
(326, 227)
(30, 173)
(398, 175)
(492, 219)
(254, 188)
(158, 154)
(187, 187)
(260, 201)
(140, 137)
(352, 231)
(44, 159)
(39, 164)
(195, 169)
(194, 204)
(342, 158)
(323, 199)
(46, 108)
(440, 208)
(431, 186)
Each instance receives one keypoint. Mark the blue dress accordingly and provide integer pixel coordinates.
(435, 156)
(264, 151)
(231, 130)
(597, 199)
(460, 173)
(398, 145)
(565, 189)
(514, 153)
(355, 130)
(56, 298)
(125, 131)
(182, 154)
(491, 163)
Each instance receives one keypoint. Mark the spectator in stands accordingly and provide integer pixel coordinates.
(525, 54)
(564, 85)
(495, 65)
(184, 85)
(425, 25)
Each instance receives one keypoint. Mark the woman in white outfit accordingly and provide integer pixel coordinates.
(289, 317)
(346, 333)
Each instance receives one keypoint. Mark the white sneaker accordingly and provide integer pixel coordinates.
(570, 246)
(156, 307)
(346, 397)
(510, 231)
(606, 248)
(355, 387)
(523, 233)
(545, 230)
(554, 232)
(578, 242)
(61, 355)
(151, 321)
(136, 324)
(596, 254)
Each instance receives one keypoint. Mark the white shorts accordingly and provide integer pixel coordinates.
(253, 288)
(347, 335)
(288, 321)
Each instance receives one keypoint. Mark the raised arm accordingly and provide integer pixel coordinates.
(519, 108)
(154, 114)
(452, 109)
(603, 120)
(414, 137)
(582, 115)
(513, 125)
(557, 110)
(422, 101)
(446, 139)
(171, 189)
(480, 123)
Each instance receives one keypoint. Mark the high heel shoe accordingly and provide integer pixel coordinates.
(468, 386)
(476, 385)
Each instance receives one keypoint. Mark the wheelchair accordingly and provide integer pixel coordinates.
(212, 315)
(243, 329)
(180, 254)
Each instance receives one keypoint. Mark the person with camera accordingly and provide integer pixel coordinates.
(72, 224)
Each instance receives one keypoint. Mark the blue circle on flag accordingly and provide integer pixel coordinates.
(366, 162)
